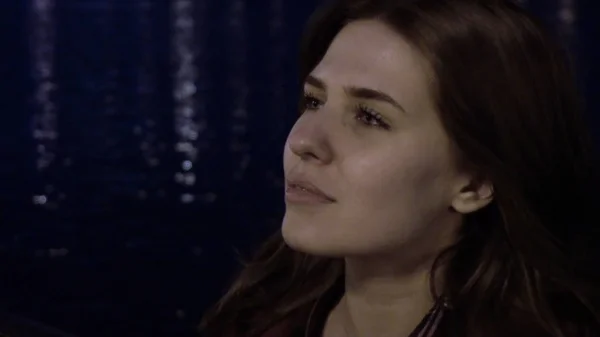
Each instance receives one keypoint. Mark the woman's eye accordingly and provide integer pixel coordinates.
(364, 115)
(370, 117)
(310, 102)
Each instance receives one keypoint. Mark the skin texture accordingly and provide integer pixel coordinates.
(399, 193)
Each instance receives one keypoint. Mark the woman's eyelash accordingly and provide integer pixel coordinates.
(310, 102)
(363, 114)
(370, 117)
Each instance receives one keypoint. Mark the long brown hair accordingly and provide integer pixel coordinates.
(505, 94)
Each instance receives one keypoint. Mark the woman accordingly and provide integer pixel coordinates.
(439, 182)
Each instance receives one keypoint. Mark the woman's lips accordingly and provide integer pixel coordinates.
(303, 192)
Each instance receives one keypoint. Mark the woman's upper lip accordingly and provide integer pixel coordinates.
(307, 185)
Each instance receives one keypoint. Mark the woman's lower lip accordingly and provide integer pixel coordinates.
(301, 196)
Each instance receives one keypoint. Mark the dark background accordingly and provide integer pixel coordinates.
(141, 141)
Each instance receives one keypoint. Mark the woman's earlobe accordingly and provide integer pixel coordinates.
(473, 197)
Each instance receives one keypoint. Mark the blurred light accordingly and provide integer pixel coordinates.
(209, 198)
(42, 50)
(146, 81)
(197, 251)
(186, 165)
(44, 118)
(566, 18)
(142, 194)
(56, 253)
(40, 199)
(189, 179)
(187, 198)
(153, 162)
(184, 89)
(238, 85)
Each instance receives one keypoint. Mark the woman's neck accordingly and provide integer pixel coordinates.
(380, 301)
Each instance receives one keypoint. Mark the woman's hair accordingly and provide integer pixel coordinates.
(524, 264)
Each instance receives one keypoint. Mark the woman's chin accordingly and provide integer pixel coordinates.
(307, 239)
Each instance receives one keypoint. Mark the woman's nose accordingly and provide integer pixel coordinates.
(310, 142)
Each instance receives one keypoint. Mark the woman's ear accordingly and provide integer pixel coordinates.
(473, 195)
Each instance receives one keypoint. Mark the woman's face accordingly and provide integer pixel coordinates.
(371, 143)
